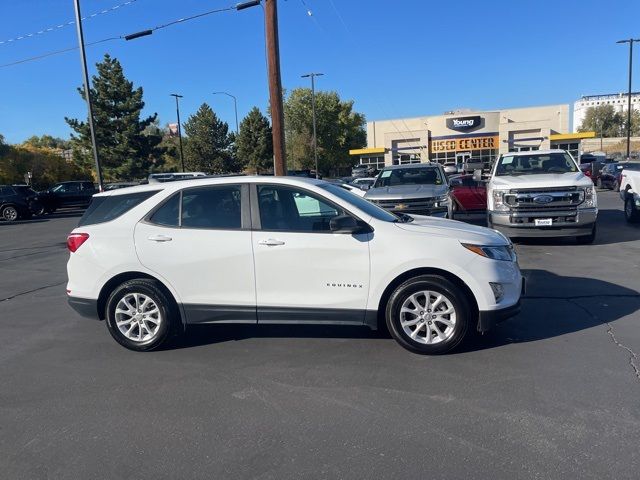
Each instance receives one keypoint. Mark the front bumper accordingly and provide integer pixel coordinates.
(85, 307)
(490, 318)
(564, 223)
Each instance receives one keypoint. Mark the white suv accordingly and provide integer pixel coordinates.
(154, 258)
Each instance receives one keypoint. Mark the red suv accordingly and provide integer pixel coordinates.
(467, 195)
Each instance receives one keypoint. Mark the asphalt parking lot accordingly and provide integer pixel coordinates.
(553, 393)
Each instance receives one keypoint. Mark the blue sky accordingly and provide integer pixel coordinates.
(394, 58)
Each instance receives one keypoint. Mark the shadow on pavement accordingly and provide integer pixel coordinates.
(530, 325)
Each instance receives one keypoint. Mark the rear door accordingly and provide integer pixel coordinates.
(304, 271)
(199, 241)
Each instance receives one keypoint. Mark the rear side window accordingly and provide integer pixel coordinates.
(104, 209)
(168, 214)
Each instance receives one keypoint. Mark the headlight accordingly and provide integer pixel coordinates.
(442, 201)
(503, 252)
(590, 198)
(498, 200)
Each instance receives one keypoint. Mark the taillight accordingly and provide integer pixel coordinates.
(75, 240)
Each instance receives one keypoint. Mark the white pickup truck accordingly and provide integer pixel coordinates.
(541, 193)
(630, 194)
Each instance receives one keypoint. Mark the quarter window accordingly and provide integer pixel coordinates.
(290, 209)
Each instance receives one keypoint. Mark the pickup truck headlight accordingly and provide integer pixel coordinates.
(503, 252)
(442, 201)
(498, 200)
(590, 198)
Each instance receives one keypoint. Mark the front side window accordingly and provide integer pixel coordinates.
(290, 209)
(216, 207)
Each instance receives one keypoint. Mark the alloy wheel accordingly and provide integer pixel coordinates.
(428, 317)
(10, 214)
(138, 317)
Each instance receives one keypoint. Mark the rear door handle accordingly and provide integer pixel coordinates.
(270, 242)
(160, 238)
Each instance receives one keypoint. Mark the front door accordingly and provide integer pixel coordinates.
(461, 160)
(199, 241)
(305, 272)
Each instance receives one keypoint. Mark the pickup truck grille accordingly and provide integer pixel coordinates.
(543, 198)
(408, 204)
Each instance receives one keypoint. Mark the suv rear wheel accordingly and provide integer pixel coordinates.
(140, 315)
(428, 314)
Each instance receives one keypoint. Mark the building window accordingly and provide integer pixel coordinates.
(573, 148)
(376, 162)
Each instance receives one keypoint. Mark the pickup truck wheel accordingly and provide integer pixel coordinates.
(631, 213)
(139, 315)
(587, 239)
(428, 315)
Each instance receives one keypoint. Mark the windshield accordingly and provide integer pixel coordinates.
(360, 203)
(409, 176)
(628, 166)
(534, 164)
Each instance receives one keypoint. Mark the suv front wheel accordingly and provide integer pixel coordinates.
(428, 314)
(139, 315)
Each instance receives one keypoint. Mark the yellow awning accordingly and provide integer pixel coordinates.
(572, 136)
(365, 151)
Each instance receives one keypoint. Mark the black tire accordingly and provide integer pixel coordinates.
(587, 239)
(437, 285)
(631, 213)
(168, 314)
(9, 213)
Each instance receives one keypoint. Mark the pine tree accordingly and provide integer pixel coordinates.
(255, 143)
(209, 146)
(127, 148)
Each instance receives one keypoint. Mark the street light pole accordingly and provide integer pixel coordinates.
(235, 106)
(630, 42)
(179, 128)
(313, 114)
(87, 92)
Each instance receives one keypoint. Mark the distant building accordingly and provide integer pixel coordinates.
(173, 129)
(618, 100)
(468, 134)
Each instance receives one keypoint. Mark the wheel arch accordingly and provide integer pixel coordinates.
(415, 272)
(119, 279)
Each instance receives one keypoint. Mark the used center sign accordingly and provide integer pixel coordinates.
(464, 144)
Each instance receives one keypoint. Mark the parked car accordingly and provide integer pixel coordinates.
(37, 203)
(419, 188)
(13, 204)
(451, 168)
(173, 176)
(467, 194)
(364, 183)
(541, 193)
(136, 252)
(630, 193)
(611, 174)
(116, 185)
(350, 188)
(592, 170)
(68, 194)
(360, 171)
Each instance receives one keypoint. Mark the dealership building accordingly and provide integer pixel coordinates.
(468, 134)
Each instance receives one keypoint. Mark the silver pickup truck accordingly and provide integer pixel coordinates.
(419, 188)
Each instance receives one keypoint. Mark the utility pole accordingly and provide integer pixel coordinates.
(275, 87)
(235, 107)
(630, 42)
(313, 113)
(87, 92)
(179, 128)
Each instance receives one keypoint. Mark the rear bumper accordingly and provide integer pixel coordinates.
(85, 307)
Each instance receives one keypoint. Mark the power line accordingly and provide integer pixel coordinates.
(131, 36)
(66, 24)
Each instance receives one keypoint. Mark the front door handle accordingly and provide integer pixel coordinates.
(270, 242)
(160, 238)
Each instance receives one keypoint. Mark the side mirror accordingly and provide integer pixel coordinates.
(345, 224)
(477, 175)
